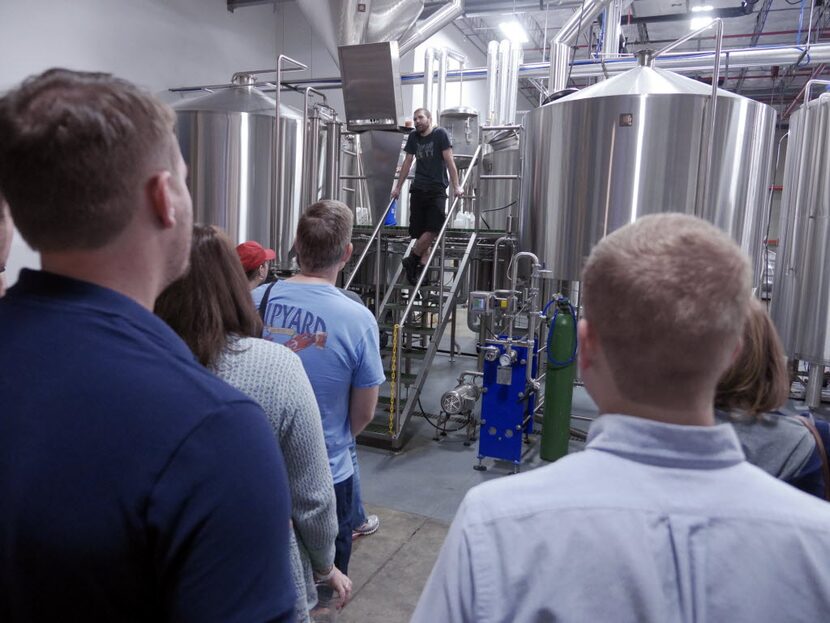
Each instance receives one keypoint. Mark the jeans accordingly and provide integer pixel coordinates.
(343, 542)
(358, 513)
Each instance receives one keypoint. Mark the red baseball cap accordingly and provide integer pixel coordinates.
(252, 254)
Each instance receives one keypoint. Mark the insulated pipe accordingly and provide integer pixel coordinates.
(442, 82)
(515, 60)
(492, 79)
(429, 57)
(501, 94)
(560, 46)
(613, 29)
(423, 30)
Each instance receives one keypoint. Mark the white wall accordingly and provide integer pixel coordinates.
(156, 43)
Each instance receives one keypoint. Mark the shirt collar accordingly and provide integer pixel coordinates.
(97, 299)
(667, 445)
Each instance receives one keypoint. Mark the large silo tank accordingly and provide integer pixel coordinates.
(632, 145)
(801, 288)
(500, 197)
(227, 139)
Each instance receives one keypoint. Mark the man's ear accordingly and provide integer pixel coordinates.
(160, 199)
(587, 344)
(347, 254)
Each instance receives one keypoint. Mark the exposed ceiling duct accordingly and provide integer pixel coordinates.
(352, 22)
(424, 29)
(561, 46)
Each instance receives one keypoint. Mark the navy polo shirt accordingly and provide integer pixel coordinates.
(134, 485)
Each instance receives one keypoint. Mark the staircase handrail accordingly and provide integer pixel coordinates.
(439, 238)
(374, 235)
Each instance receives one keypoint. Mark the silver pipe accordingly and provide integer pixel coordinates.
(423, 30)
(498, 177)
(492, 78)
(282, 254)
(332, 190)
(808, 87)
(503, 61)
(308, 152)
(613, 30)
(442, 82)
(498, 243)
(514, 276)
(462, 60)
(560, 47)
(496, 128)
(815, 380)
(429, 58)
(681, 62)
(515, 60)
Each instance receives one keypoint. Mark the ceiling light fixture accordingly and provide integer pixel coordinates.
(702, 8)
(699, 22)
(513, 30)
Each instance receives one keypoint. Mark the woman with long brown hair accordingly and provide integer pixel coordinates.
(749, 396)
(212, 310)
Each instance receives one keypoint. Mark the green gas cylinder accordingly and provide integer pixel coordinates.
(559, 382)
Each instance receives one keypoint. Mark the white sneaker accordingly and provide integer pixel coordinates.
(370, 526)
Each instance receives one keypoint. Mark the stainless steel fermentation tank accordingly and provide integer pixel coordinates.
(634, 145)
(801, 288)
(498, 199)
(227, 139)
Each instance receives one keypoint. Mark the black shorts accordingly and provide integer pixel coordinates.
(426, 211)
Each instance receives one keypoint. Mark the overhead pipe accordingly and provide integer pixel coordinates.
(561, 52)
(424, 29)
(680, 62)
(612, 29)
(728, 12)
(442, 80)
(492, 82)
(501, 89)
(515, 61)
(429, 58)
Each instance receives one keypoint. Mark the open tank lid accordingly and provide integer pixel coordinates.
(646, 81)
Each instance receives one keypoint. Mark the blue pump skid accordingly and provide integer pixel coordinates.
(503, 412)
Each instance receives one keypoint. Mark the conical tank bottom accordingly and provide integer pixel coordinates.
(380, 150)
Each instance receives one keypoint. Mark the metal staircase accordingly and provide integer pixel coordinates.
(414, 317)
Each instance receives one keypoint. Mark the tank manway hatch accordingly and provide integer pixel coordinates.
(371, 86)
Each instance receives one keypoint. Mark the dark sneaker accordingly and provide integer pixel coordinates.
(410, 266)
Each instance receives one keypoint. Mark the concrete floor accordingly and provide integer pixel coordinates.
(389, 568)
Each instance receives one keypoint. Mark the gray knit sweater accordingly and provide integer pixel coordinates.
(274, 377)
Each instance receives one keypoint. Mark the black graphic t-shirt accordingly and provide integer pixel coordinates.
(431, 170)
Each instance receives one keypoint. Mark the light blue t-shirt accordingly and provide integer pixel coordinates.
(337, 341)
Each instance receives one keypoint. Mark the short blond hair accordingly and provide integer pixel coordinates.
(758, 381)
(667, 296)
(323, 233)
